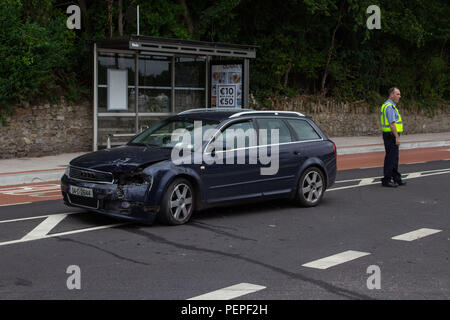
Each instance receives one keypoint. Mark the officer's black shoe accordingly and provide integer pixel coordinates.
(401, 183)
(389, 184)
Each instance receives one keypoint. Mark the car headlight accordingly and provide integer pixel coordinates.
(137, 179)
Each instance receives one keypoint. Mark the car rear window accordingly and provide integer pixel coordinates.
(303, 130)
(284, 135)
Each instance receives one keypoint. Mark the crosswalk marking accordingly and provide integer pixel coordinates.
(229, 293)
(416, 234)
(335, 260)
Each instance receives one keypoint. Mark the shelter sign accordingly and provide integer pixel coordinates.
(226, 85)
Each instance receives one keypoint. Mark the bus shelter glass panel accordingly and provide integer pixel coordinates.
(118, 129)
(103, 100)
(146, 122)
(154, 100)
(155, 74)
(155, 71)
(189, 99)
(190, 72)
(115, 61)
(190, 82)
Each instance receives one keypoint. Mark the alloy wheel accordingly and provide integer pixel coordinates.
(312, 187)
(181, 202)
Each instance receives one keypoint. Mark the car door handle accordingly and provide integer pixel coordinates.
(297, 153)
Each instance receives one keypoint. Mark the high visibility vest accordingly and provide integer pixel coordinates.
(384, 120)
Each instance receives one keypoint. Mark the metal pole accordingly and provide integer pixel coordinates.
(136, 84)
(246, 92)
(95, 125)
(137, 11)
(172, 92)
(207, 81)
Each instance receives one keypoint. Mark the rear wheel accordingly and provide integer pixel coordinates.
(311, 187)
(178, 203)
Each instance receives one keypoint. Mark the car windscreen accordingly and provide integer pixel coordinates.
(178, 132)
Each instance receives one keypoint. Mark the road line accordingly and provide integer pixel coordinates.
(36, 217)
(366, 181)
(416, 174)
(45, 227)
(14, 204)
(417, 234)
(63, 233)
(336, 259)
(412, 175)
(229, 293)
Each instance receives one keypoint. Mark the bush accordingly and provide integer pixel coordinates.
(32, 50)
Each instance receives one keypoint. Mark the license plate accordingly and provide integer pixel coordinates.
(80, 191)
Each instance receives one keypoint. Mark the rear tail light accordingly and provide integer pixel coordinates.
(335, 151)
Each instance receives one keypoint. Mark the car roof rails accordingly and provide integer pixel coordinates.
(213, 110)
(274, 112)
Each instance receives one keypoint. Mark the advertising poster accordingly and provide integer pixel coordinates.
(226, 85)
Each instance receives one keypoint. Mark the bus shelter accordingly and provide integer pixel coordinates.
(139, 80)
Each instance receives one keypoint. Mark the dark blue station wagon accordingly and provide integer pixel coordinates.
(203, 158)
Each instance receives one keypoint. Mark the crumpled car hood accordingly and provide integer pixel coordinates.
(122, 159)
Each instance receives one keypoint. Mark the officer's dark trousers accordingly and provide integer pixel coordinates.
(391, 159)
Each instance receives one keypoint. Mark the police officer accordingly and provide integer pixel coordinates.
(392, 126)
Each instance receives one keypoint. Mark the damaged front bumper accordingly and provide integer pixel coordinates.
(127, 202)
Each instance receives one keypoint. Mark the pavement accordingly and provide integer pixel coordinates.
(349, 149)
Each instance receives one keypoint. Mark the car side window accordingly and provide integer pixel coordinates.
(284, 135)
(239, 135)
(303, 130)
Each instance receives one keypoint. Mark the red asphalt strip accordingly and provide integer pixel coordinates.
(376, 159)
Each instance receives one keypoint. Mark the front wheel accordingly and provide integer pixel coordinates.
(311, 187)
(178, 203)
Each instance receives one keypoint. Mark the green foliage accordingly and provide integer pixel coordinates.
(32, 49)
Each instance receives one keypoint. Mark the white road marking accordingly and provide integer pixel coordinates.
(229, 293)
(13, 204)
(336, 259)
(413, 175)
(45, 227)
(417, 234)
(62, 234)
(366, 181)
(36, 217)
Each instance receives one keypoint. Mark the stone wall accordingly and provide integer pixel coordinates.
(51, 129)
(47, 129)
(368, 124)
(356, 119)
